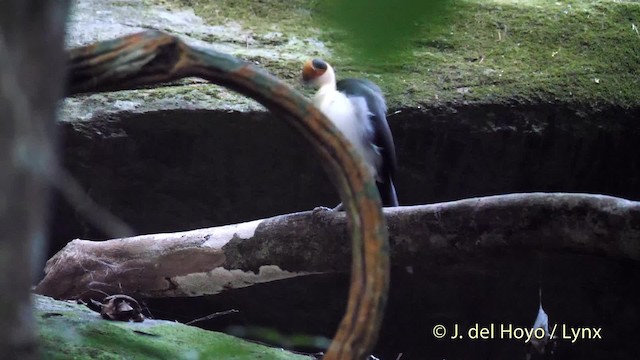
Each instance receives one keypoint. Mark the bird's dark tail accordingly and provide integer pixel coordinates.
(388, 193)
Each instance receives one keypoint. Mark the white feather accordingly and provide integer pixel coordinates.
(351, 116)
(542, 321)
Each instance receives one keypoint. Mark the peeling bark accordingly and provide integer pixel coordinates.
(208, 261)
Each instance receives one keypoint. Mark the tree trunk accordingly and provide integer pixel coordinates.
(31, 78)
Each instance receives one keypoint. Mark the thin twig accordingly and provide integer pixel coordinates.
(213, 316)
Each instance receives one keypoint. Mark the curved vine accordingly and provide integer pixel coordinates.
(153, 57)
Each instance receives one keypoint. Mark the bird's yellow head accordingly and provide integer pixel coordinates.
(317, 72)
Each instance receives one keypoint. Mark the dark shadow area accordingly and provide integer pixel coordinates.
(501, 289)
(179, 170)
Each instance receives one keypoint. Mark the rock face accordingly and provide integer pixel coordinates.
(183, 169)
(190, 169)
(191, 155)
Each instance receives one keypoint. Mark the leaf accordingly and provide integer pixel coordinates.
(383, 28)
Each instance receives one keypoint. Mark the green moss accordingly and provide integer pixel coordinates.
(259, 16)
(584, 52)
(69, 331)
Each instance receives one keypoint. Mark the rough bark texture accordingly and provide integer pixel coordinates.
(31, 69)
(208, 261)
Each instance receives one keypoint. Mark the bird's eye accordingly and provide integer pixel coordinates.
(319, 64)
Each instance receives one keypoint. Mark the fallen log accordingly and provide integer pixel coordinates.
(208, 261)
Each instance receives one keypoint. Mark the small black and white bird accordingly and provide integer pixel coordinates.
(358, 109)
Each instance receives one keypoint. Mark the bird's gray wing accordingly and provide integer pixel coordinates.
(377, 109)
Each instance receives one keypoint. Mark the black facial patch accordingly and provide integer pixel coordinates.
(319, 64)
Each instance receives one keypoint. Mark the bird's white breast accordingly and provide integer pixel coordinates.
(354, 125)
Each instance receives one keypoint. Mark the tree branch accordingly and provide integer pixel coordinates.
(208, 261)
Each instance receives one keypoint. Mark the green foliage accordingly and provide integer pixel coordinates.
(380, 29)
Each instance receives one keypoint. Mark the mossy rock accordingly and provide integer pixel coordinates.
(496, 51)
(72, 331)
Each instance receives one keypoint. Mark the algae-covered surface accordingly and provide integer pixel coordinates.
(71, 331)
(496, 51)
